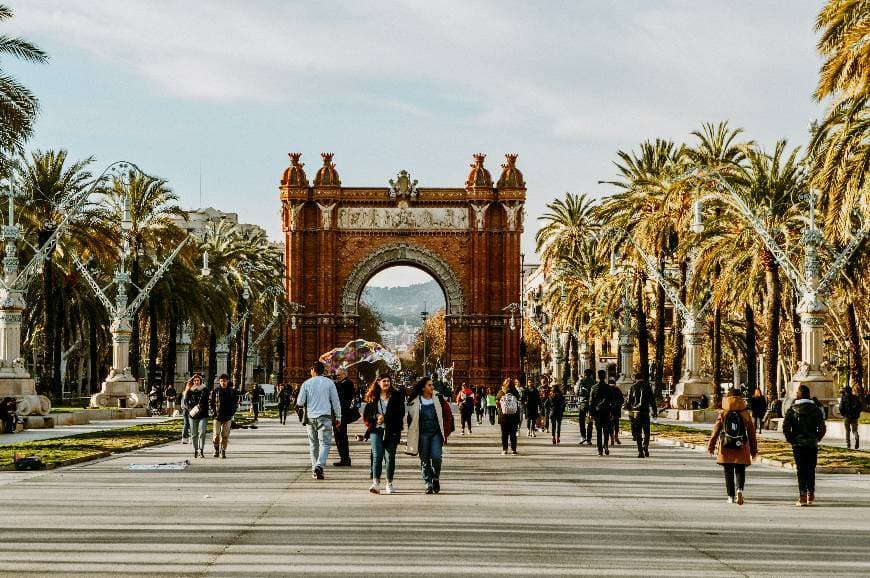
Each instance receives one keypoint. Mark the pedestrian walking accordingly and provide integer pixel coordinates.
(544, 395)
(283, 399)
(384, 416)
(640, 403)
(257, 395)
(532, 406)
(850, 409)
(804, 427)
(426, 432)
(196, 405)
(508, 408)
(223, 403)
(491, 405)
(479, 404)
(584, 415)
(600, 398)
(734, 436)
(321, 412)
(616, 403)
(185, 427)
(465, 401)
(555, 409)
(171, 398)
(349, 412)
(758, 405)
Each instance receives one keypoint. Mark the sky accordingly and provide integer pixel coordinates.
(213, 95)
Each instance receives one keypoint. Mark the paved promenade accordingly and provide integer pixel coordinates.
(549, 511)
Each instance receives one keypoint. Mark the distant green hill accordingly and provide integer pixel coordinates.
(404, 304)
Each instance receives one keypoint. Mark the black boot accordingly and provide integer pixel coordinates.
(217, 451)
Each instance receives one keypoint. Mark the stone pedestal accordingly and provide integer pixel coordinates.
(15, 381)
(249, 371)
(182, 362)
(120, 384)
(222, 354)
(810, 371)
(694, 384)
(626, 359)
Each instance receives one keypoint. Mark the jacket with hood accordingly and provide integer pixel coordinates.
(641, 399)
(804, 424)
(742, 455)
(850, 404)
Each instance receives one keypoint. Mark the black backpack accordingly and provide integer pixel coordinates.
(733, 434)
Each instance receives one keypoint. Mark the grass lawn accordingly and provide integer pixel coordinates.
(829, 457)
(93, 445)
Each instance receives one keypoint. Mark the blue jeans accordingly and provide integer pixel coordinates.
(319, 440)
(383, 451)
(430, 456)
(197, 431)
(185, 429)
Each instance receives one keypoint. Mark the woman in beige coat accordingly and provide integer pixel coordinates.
(736, 447)
(426, 432)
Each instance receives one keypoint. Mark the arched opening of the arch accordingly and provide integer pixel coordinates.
(403, 306)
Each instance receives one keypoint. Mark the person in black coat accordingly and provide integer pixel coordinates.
(223, 403)
(616, 403)
(600, 398)
(532, 405)
(283, 397)
(640, 404)
(346, 392)
(384, 416)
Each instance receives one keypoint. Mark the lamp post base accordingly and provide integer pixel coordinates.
(119, 386)
(691, 389)
(20, 386)
(821, 387)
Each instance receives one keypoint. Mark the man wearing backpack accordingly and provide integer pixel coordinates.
(804, 427)
(850, 409)
(465, 401)
(640, 403)
(734, 434)
(508, 408)
(600, 406)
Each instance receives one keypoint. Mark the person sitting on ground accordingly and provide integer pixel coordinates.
(804, 427)
(850, 409)
(734, 436)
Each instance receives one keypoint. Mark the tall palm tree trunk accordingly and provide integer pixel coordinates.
(93, 356)
(717, 357)
(135, 336)
(774, 308)
(57, 345)
(48, 317)
(153, 342)
(642, 332)
(171, 349)
(281, 353)
(751, 348)
(212, 356)
(660, 335)
(245, 345)
(856, 368)
(677, 367)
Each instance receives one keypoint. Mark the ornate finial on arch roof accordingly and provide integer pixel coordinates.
(327, 176)
(294, 175)
(479, 177)
(511, 177)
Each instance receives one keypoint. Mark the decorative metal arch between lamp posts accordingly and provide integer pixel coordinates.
(402, 254)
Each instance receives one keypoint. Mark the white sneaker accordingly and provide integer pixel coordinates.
(185, 440)
(504, 452)
(731, 500)
(374, 489)
(389, 489)
(739, 497)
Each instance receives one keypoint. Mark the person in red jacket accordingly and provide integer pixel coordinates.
(465, 401)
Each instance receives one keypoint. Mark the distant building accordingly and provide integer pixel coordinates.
(198, 219)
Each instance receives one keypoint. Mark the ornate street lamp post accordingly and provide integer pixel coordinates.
(424, 315)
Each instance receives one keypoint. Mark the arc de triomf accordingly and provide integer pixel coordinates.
(468, 239)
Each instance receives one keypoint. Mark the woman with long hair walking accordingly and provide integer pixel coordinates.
(508, 409)
(384, 416)
(426, 433)
(734, 436)
(196, 408)
(556, 408)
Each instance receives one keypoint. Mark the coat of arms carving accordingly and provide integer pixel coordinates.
(403, 187)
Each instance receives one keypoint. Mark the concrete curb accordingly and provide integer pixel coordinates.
(99, 456)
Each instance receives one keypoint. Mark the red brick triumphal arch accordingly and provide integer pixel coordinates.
(468, 239)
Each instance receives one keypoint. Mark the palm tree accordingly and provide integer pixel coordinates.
(568, 224)
(844, 27)
(18, 106)
(52, 185)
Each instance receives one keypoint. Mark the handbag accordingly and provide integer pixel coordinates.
(351, 416)
(194, 412)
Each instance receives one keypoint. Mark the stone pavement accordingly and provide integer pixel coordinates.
(30, 435)
(549, 511)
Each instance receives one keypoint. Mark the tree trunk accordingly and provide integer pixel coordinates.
(642, 332)
(751, 349)
(593, 358)
(677, 367)
(171, 348)
(566, 368)
(856, 367)
(774, 308)
(48, 314)
(246, 327)
(93, 357)
(57, 345)
(717, 357)
(660, 334)
(153, 341)
(281, 353)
